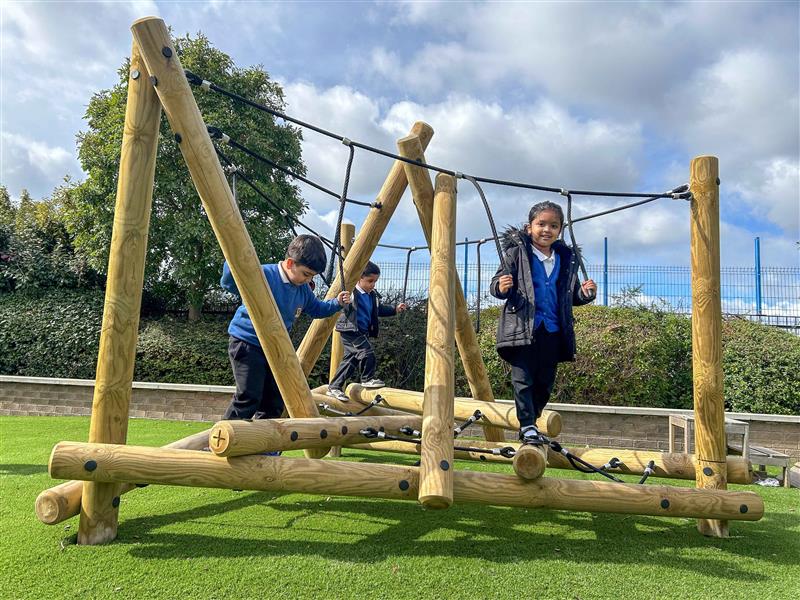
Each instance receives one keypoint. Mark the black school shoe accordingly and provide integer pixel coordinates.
(530, 435)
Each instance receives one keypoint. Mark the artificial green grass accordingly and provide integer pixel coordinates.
(212, 544)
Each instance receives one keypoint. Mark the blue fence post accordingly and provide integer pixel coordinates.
(758, 275)
(466, 260)
(605, 271)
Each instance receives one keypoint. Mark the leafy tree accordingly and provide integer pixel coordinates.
(183, 253)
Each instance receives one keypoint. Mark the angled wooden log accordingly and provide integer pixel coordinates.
(223, 214)
(126, 259)
(240, 438)
(353, 407)
(436, 463)
(135, 464)
(709, 404)
(347, 233)
(371, 231)
(419, 181)
(669, 466)
(63, 501)
(499, 414)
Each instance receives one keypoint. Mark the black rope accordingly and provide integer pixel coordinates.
(679, 193)
(198, 81)
(503, 264)
(477, 415)
(577, 462)
(405, 275)
(378, 399)
(337, 237)
(648, 470)
(329, 409)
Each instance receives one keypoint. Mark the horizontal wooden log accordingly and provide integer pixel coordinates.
(669, 466)
(63, 501)
(530, 461)
(135, 464)
(240, 438)
(321, 398)
(501, 414)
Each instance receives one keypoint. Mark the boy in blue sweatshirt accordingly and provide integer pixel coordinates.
(257, 395)
(357, 324)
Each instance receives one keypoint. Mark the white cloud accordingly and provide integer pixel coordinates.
(24, 156)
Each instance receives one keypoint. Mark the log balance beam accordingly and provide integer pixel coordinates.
(240, 438)
(114, 463)
(500, 414)
(667, 465)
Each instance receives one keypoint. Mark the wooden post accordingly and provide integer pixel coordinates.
(436, 466)
(709, 404)
(419, 181)
(498, 414)
(240, 438)
(347, 232)
(120, 329)
(365, 244)
(223, 213)
(530, 461)
(63, 501)
(136, 464)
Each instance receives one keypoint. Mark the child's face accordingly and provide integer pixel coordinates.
(297, 274)
(544, 229)
(368, 283)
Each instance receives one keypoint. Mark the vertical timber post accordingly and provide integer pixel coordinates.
(436, 462)
(223, 213)
(709, 407)
(374, 225)
(120, 329)
(467, 341)
(346, 233)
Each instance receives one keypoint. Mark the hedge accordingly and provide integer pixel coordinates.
(626, 356)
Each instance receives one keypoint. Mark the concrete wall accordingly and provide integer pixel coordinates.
(599, 426)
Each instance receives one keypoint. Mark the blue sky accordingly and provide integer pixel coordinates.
(596, 95)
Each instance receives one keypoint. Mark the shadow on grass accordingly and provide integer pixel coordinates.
(496, 534)
(11, 469)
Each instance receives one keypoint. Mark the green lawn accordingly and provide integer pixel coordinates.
(213, 544)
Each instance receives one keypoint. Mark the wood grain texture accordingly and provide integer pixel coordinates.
(223, 214)
(371, 231)
(120, 328)
(63, 501)
(134, 464)
(240, 438)
(499, 414)
(530, 461)
(419, 181)
(709, 404)
(436, 462)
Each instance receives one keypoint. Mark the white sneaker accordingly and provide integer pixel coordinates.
(373, 383)
(338, 394)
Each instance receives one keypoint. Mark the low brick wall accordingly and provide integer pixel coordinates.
(599, 426)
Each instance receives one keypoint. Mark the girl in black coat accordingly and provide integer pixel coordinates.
(535, 331)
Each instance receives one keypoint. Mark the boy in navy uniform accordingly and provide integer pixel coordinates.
(357, 324)
(257, 395)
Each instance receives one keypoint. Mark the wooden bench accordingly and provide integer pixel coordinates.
(767, 456)
(686, 423)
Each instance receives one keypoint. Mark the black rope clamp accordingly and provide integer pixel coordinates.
(409, 431)
(564, 192)
(192, 78)
(648, 470)
(507, 452)
(372, 433)
(347, 141)
(217, 134)
(612, 464)
(475, 416)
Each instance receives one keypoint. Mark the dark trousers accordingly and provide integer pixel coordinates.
(358, 354)
(257, 395)
(533, 372)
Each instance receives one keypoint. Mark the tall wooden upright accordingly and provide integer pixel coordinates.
(436, 462)
(347, 233)
(114, 377)
(371, 231)
(223, 214)
(709, 404)
(419, 181)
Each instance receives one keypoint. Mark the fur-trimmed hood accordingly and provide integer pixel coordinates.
(517, 236)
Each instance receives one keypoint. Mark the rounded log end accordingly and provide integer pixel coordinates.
(424, 131)
(220, 439)
(550, 422)
(435, 501)
(145, 20)
(354, 392)
(445, 184)
(530, 462)
(316, 452)
(50, 508)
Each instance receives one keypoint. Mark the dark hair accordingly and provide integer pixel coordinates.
(371, 269)
(543, 206)
(307, 251)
